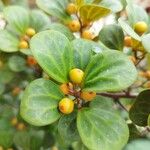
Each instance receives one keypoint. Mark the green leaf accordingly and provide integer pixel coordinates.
(129, 30)
(2, 88)
(140, 110)
(109, 71)
(79, 146)
(136, 13)
(56, 8)
(79, 3)
(145, 42)
(67, 128)
(97, 1)
(6, 75)
(39, 20)
(139, 144)
(22, 140)
(83, 50)
(29, 140)
(148, 120)
(40, 102)
(114, 5)
(1, 5)
(134, 133)
(8, 42)
(115, 34)
(36, 139)
(17, 17)
(17, 63)
(62, 29)
(89, 12)
(102, 102)
(53, 52)
(102, 129)
(6, 138)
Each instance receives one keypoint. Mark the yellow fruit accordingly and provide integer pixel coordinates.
(87, 35)
(1, 148)
(133, 59)
(148, 74)
(88, 96)
(31, 61)
(71, 8)
(66, 87)
(30, 32)
(21, 126)
(74, 26)
(66, 106)
(16, 91)
(140, 27)
(14, 121)
(128, 41)
(76, 75)
(23, 44)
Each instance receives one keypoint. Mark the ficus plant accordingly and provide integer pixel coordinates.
(64, 86)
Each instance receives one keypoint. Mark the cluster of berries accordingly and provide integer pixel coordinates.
(24, 40)
(76, 25)
(73, 88)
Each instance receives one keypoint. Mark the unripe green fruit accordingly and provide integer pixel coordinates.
(66, 106)
(71, 8)
(140, 27)
(74, 26)
(76, 75)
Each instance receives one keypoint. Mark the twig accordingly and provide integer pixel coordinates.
(118, 95)
(120, 104)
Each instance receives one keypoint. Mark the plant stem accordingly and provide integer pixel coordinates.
(120, 104)
(118, 95)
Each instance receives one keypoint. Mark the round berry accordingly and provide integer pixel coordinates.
(140, 27)
(76, 75)
(71, 8)
(88, 96)
(66, 87)
(23, 44)
(31, 61)
(87, 35)
(66, 106)
(74, 26)
(30, 32)
(128, 41)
